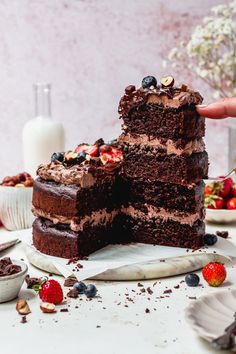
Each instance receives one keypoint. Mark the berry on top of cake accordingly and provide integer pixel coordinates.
(83, 165)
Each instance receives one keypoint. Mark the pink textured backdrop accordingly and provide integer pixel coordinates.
(89, 50)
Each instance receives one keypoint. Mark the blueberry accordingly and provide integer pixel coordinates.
(210, 239)
(192, 279)
(57, 156)
(149, 81)
(90, 290)
(80, 287)
(81, 157)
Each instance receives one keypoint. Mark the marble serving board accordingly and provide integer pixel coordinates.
(147, 270)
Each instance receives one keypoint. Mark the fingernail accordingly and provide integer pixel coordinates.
(201, 105)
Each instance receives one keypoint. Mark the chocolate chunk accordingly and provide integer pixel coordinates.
(73, 293)
(70, 281)
(30, 281)
(223, 234)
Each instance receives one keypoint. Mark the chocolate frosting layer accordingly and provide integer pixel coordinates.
(82, 175)
(174, 97)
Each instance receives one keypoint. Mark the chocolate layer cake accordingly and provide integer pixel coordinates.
(164, 163)
(152, 193)
(76, 199)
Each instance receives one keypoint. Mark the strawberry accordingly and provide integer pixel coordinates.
(91, 150)
(50, 291)
(114, 155)
(81, 148)
(233, 190)
(209, 189)
(231, 203)
(214, 202)
(223, 188)
(214, 273)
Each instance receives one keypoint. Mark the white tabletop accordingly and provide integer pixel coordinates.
(104, 324)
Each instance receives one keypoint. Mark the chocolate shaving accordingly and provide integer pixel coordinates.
(8, 268)
(30, 281)
(73, 293)
(70, 281)
(223, 234)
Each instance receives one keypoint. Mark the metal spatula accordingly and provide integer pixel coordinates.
(220, 179)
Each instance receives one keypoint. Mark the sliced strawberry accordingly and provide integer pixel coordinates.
(92, 150)
(81, 148)
(115, 155)
(231, 203)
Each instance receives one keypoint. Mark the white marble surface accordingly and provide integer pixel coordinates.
(123, 329)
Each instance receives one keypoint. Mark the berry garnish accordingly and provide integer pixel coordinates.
(90, 290)
(231, 203)
(214, 273)
(192, 279)
(80, 287)
(80, 157)
(57, 156)
(50, 291)
(113, 155)
(210, 239)
(149, 81)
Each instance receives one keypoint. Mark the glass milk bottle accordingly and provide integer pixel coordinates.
(42, 136)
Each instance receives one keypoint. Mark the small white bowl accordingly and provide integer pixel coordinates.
(10, 285)
(15, 207)
(220, 216)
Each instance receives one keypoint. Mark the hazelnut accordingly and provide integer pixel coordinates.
(22, 307)
(28, 182)
(47, 307)
(167, 81)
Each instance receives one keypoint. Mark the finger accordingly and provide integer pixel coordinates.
(226, 107)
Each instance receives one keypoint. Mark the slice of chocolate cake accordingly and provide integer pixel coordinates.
(164, 163)
(76, 199)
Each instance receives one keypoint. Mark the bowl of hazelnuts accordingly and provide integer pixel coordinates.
(15, 201)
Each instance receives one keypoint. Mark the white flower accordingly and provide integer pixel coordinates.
(211, 49)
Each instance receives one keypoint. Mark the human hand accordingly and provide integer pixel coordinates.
(225, 107)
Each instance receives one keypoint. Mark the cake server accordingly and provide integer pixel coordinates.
(220, 179)
(5, 245)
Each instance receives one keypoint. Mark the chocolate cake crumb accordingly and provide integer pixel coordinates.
(140, 285)
(223, 234)
(98, 326)
(23, 319)
(147, 310)
(64, 310)
(168, 291)
(177, 286)
(73, 293)
(149, 290)
(192, 297)
(142, 290)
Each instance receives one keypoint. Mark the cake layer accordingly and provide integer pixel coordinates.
(158, 231)
(163, 145)
(59, 241)
(53, 200)
(187, 198)
(158, 121)
(164, 168)
(162, 112)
